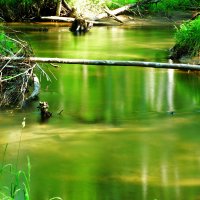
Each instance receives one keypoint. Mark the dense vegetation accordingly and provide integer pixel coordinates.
(169, 5)
(19, 10)
(187, 39)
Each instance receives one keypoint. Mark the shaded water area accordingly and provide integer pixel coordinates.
(124, 132)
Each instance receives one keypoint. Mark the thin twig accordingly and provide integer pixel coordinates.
(20, 74)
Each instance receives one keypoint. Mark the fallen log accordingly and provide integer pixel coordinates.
(57, 18)
(115, 12)
(71, 19)
(125, 8)
(110, 13)
(105, 62)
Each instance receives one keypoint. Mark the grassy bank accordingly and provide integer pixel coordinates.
(187, 39)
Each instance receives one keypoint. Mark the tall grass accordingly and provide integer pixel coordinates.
(188, 37)
(16, 184)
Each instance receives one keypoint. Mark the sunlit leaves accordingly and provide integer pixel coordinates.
(7, 46)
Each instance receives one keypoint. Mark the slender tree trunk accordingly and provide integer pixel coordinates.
(59, 6)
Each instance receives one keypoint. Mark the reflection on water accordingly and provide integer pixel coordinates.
(116, 137)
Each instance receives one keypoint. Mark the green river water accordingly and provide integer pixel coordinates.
(116, 138)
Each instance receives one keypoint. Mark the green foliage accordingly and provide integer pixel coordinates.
(167, 5)
(15, 183)
(188, 36)
(18, 182)
(17, 10)
(7, 45)
(118, 3)
(11, 2)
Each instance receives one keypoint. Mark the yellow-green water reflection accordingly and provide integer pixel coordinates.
(116, 138)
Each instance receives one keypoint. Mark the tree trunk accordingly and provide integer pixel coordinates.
(58, 8)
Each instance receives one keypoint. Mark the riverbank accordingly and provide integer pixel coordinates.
(172, 18)
(128, 19)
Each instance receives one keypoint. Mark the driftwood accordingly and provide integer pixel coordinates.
(110, 13)
(125, 8)
(115, 12)
(57, 18)
(106, 62)
(71, 19)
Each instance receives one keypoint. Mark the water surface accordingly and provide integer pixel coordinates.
(124, 132)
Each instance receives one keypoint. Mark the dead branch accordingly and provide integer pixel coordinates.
(110, 13)
(66, 5)
(14, 75)
(125, 8)
(71, 19)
